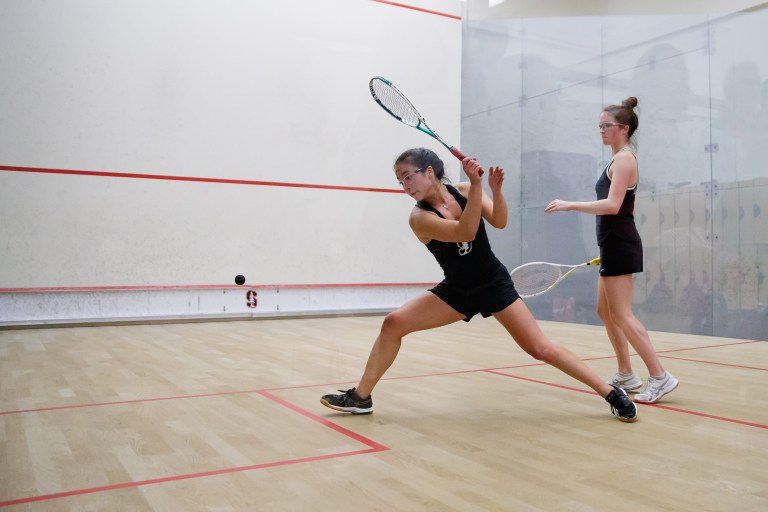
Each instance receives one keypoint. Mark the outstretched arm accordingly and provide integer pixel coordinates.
(624, 168)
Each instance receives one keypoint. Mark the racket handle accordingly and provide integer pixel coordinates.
(458, 154)
(461, 156)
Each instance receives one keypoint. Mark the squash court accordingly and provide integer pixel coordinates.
(150, 152)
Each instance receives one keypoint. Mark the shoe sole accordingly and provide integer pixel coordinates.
(628, 420)
(352, 410)
(658, 397)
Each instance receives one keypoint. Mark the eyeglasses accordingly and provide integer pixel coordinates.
(605, 126)
(408, 178)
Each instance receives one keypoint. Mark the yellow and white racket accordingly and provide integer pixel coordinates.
(538, 277)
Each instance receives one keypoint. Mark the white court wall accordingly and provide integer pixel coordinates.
(150, 151)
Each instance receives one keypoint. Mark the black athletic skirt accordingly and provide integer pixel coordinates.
(619, 257)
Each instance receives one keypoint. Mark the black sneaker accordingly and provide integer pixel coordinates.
(348, 401)
(621, 405)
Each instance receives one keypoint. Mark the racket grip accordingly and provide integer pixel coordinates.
(458, 154)
(461, 156)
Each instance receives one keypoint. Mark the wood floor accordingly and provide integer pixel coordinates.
(226, 416)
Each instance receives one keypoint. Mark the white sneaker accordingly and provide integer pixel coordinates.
(628, 382)
(657, 388)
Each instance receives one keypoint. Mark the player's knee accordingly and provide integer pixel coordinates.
(603, 312)
(544, 352)
(392, 325)
(624, 320)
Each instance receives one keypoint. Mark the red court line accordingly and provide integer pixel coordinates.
(717, 364)
(719, 345)
(175, 478)
(453, 16)
(206, 286)
(373, 447)
(376, 447)
(305, 386)
(660, 406)
(167, 177)
(710, 416)
(536, 381)
(687, 349)
(125, 402)
(250, 391)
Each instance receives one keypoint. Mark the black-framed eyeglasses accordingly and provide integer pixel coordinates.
(408, 178)
(605, 126)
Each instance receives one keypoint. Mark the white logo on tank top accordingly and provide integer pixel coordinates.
(464, 248)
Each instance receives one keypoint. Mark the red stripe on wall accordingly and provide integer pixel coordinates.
(205, 287)
(11, 168)
(452, 16)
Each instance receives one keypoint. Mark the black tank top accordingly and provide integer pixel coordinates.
(464, 264)
(623, 223)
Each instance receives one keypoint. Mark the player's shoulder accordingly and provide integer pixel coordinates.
(625, 157)
(418, 212)
(419, 217)
(463, 187)
(626, 153)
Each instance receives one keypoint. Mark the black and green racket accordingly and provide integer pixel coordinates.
(398, 106)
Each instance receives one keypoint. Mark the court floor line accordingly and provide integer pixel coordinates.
(659, 406)
(719, 345)
(732, 365)
(326, 423)
(372, 445)
(326, 384)
(175, 478)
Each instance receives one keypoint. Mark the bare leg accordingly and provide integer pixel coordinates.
(618, 296)
(615, 334)
(424, 312)
(520, 323)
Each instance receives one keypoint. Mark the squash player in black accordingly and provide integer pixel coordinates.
(621, 254)
(450, 222)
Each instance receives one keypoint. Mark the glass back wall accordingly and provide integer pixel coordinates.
(533, 90)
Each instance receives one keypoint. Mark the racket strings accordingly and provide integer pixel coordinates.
(394, 101)
(535, 278)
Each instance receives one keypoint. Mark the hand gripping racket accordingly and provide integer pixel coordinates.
(398, 106)
(538, 277)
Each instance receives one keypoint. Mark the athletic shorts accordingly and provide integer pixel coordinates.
(620, 257)
(486, 299)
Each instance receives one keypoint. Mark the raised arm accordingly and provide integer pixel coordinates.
(427, 226)
(495, 210)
